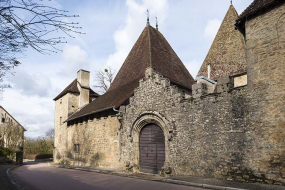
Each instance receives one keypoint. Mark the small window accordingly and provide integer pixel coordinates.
(3, 120)
(60, 101)
(76, 148)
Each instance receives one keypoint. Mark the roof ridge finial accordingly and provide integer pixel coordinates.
(156, 23)
(147, 22)
(231, 2)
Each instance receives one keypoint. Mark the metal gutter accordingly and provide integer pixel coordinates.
(205, 78)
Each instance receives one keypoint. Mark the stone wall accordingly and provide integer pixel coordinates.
(208, 136)
(96, 137)
(265, 48)
(61, 114)
(205, 136)
(98, 142)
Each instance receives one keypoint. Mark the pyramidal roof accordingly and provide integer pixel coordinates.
(227, 53)
(150, 50)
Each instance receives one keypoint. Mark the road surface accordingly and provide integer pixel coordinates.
(42, 176)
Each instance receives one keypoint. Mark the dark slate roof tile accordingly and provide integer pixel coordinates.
(256, 6)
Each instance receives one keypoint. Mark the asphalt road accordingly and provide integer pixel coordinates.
(5, 183)
(45, 177)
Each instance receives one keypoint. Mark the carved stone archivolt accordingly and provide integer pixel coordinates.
(145, 118)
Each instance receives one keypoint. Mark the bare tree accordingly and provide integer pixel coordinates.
(50, 134)
(36, 30)
(103, 79)
(11, 135)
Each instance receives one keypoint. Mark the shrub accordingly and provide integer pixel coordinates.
(30, 156)
(43, 156)
(5, 152)
(4, 161)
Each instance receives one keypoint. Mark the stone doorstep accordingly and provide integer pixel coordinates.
(150, 178)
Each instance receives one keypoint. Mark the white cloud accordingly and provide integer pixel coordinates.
(212, 28)
(31, 84)
(74, 59)
(35, 113)
(134, 23)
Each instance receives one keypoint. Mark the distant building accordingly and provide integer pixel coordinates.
(229, 123)
(11, 134)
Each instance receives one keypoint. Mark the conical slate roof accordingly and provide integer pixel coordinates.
(227, 53)
(150, 50)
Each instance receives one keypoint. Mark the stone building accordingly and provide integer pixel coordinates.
(155, 118)
(11, 134)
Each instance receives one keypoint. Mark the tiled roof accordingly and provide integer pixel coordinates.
(227, 53)
(112, 98)
(256, 6)
(72, 87)
(150, 50)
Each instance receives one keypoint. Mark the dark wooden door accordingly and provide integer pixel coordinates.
(152, 149)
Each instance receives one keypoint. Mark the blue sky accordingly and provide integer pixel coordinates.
(111, 27)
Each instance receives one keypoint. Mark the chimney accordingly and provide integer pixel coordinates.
(83, 86)
(209, 71)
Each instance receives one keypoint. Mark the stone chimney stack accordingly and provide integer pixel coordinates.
(209, 71)
(83, 79)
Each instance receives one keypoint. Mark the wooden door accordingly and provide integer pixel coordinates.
(152, 149)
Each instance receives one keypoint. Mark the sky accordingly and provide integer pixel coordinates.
(112, 27)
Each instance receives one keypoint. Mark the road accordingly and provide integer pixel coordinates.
(45, 177)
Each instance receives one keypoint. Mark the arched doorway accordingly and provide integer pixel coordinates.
(151, 148)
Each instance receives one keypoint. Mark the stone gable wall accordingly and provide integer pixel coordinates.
(207, 135)
(210, 136)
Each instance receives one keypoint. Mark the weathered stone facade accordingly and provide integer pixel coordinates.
(204, 136)
(232, 128)
(11, 135)
(265, 48)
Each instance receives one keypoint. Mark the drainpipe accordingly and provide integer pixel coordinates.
(117, 110)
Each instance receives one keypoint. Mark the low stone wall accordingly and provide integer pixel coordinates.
(92, 142)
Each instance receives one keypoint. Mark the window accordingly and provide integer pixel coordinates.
(76, 148)
(3, 120)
